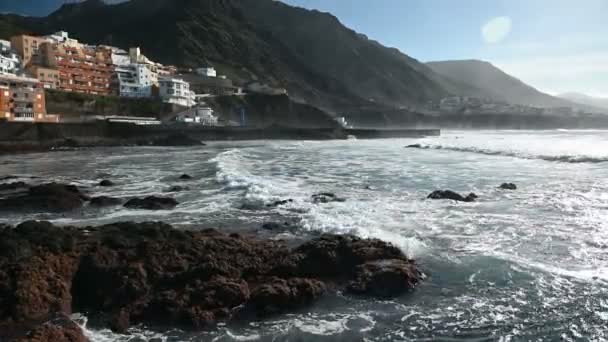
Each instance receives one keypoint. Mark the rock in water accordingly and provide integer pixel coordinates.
(104, 201)
(177, 188)
(414, 146)
(152, 203)
(279, 203)
(151, 273)
(106, 182)
(451, 195)
(52, 197)
(185, 177)
(508, 186)
(326, 197)
(385, 278)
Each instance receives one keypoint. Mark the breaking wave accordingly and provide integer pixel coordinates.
(514, 154)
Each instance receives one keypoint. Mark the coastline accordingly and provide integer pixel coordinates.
(41, 137)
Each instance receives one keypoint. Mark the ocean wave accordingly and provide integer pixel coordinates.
(513, 154)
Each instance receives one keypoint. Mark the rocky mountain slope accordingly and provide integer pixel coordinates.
(491, 82)
(312, 54)
(585, 99)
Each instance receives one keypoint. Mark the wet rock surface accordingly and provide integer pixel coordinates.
(58, 330)
(326, 197)
(105, 201)
(51, 197)
(152, 273)
(106, 183)
(508, 186)
(451, 195)
(152, 203)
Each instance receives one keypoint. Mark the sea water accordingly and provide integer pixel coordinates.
(530, 264)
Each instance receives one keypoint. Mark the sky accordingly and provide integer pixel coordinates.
(554, 45)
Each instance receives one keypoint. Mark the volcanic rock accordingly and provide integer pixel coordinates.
(58, 330)
(326, 197)
(451, 195)
(106, 182)
(52, 197)
(104, 201)
(508, 186)
(279, 203)
(152, 203)
(151, 273)
(177, 188)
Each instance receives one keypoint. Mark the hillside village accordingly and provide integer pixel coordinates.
(30, 66)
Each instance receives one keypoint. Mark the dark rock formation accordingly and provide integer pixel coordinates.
(185, 177)
(13, 186)
(58, 330)
(177, 188)
(152, 203)
(151, 273)
(326, 197)
(279, 203)
(106, 182)
(414, 146)
(105, 201)
(508, 186)
(52, 197)
(451, 195)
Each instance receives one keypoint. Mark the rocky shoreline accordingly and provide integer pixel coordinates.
(130, 273)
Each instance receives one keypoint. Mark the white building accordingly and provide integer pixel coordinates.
(176, 91)
(208, 72)
(10, 63)
(134, 80)
(64, 38)
(202, 115)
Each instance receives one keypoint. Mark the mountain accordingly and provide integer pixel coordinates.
(491, 82)
(314, 56)
(585, 99)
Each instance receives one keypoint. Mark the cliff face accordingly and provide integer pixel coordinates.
(310, 53)
(269, 110)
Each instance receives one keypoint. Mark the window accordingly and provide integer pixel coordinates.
(41, 74)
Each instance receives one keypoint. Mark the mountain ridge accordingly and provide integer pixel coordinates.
(311, 53)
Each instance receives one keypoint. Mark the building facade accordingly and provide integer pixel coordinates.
(22, 100)
(27, 47)
(207, 71)
(10, 63)
(176, 91)
(134, 80)
(82, 68)
(201, 115)
(47, 76)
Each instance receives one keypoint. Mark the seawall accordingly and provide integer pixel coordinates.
(16, 137)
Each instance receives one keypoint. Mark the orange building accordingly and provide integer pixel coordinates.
(22, 99)
(49, 77)
(27, 46)
(82, 68)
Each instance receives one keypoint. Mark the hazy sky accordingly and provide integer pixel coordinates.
(554, 45)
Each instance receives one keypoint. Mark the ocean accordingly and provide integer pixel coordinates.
(530, 264)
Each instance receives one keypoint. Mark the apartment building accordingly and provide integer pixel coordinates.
(176, 91)
(82, 68)
(10, 63)
(27, 47)
(134, 80)
(22, 100)
(47, 76)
